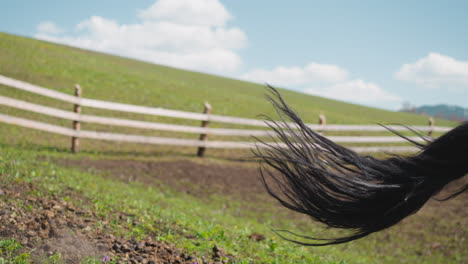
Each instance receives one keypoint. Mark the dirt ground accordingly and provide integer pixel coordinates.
(197, 179)
(50, 226)
(53, 225)
(244, 183)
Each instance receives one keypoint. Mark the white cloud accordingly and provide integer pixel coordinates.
(48, 27)
(293, 76)
(356, 91)
(435, 70)
(189, 34)
(325, 80)
(190, 12)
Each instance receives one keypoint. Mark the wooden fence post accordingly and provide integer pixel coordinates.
(207, 110)
(322, 121)
(75, 144)
(431, 126)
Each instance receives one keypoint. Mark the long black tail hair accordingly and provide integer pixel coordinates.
(341, 189)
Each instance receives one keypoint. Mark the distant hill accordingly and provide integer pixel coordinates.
(449, 112)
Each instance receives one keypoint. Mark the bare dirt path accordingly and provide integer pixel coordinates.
(200, 180)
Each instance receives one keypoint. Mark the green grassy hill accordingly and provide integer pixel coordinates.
(119, 79)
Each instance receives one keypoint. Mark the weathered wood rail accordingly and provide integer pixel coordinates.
(202, 143)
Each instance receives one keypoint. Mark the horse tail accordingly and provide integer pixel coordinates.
(341, 189)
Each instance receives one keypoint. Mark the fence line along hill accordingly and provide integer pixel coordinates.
(204, 131)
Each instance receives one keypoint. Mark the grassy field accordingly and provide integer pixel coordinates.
(194, 223)
(197, 223)
(119, 79)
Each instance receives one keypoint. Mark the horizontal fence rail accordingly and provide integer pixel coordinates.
(160, 140)
(19, 104)
(119, 137)
(190, 115)
(203, 131)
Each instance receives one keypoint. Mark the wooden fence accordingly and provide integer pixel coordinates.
(204, 131)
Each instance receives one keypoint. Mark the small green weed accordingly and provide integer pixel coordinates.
(9, 253)
(54, 259)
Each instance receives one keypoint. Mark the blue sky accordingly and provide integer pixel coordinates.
(377, 53)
